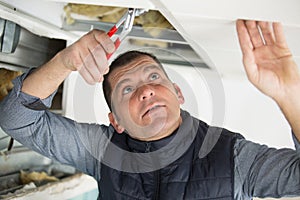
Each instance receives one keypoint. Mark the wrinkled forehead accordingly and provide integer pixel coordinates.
(141, 64)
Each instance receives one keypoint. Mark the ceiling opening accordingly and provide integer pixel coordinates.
(150, 30)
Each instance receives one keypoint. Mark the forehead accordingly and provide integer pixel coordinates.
(142, 63)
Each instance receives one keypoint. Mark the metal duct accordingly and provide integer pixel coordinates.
(21, 48)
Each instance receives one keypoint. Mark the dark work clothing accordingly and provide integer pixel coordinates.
(189, 177)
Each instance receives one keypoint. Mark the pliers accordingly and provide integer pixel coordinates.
(127, 19)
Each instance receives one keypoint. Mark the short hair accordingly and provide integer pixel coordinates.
(121, 61)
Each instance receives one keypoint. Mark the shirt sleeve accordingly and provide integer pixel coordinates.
(262, 172)
(26, 119)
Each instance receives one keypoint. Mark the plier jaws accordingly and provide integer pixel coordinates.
(127, 21)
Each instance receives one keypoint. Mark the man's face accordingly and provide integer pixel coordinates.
(144, 101)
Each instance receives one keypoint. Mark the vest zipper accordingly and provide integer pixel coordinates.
(156, 185)
(156, 175)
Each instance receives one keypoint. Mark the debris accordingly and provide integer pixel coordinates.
(36, 177)
(6, 77)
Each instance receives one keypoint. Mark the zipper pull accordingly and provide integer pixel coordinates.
(148, 147)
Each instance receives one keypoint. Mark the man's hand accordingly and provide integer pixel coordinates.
(270, 67)
(88, 56)
(267, 59)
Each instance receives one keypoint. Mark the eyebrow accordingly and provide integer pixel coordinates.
(119, 84)
(148, 68)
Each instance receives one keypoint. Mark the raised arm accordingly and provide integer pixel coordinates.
(87, 55)
(270, 66)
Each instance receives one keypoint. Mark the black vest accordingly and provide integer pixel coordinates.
(188, 177)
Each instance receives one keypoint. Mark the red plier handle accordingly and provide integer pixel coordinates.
(127, 19)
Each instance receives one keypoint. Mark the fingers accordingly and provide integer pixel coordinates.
(279, 35)
(267, 33)
(105, 41)
(246, 47)
(244, 36)
(92, 70)
(92, 49)
(254, 33)
(87, 76)
(262, 33)
(100, 59)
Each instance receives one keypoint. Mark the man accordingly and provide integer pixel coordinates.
(151, 148)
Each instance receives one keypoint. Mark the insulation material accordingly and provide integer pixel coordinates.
(102, 13)
(6, 77)
(151, 21)
(66, 188)
(149, 43)
(28, 177)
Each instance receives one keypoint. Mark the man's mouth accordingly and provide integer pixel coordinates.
(152, 109)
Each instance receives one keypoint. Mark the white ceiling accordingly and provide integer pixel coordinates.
(209, 26)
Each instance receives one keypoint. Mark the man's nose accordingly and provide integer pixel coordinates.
(145, 92)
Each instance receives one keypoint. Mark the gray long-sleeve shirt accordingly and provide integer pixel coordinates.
(259, 171)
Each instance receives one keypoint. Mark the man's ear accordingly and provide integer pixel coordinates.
(114, 123)
(179, 93)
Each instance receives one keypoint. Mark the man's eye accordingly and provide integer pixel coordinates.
(127, 90)
(154, 76)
